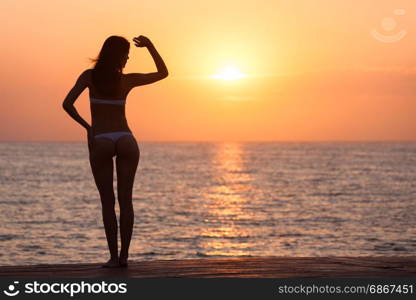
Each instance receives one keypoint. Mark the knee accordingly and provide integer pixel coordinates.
(126, 208)
(124, 195)
(107, 194)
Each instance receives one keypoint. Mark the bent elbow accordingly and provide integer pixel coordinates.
(165, 74)
(66, 106)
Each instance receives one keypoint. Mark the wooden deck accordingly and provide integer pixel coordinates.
(242, 267)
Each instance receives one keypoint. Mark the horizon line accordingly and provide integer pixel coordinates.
(221, 141)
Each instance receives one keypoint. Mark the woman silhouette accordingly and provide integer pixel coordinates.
(109, 134)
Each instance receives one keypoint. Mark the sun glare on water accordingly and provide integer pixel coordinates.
(229, 73)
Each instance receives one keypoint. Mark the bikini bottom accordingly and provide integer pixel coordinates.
(114, 136)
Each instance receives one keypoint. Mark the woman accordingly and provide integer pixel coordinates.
(109, 134)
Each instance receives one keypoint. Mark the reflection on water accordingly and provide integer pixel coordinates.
(225, 202)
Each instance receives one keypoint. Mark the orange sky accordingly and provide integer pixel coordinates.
(314, 70)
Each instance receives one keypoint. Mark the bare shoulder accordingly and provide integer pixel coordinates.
(86, 76)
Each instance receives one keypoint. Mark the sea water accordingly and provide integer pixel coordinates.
(196, 200)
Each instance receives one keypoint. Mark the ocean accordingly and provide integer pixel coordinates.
(197, 200)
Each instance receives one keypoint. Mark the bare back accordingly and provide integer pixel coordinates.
(104, 117)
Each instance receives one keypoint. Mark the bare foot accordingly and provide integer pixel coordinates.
(112, 263)
(122, 261)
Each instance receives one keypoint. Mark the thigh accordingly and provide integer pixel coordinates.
(127, 160)
(101, 161)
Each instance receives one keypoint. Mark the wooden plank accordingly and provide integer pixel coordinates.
(243, 267)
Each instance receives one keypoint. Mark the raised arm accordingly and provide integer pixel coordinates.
(68, 104)
(137, 79)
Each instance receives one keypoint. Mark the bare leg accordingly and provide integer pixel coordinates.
(127, 160)
(101, 161)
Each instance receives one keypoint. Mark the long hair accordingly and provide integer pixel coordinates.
(108, 66)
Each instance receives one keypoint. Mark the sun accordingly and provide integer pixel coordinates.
(229, 73)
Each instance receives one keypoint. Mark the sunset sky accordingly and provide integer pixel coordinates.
(307, 70)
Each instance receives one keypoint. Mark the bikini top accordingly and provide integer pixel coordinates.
(108, 101)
